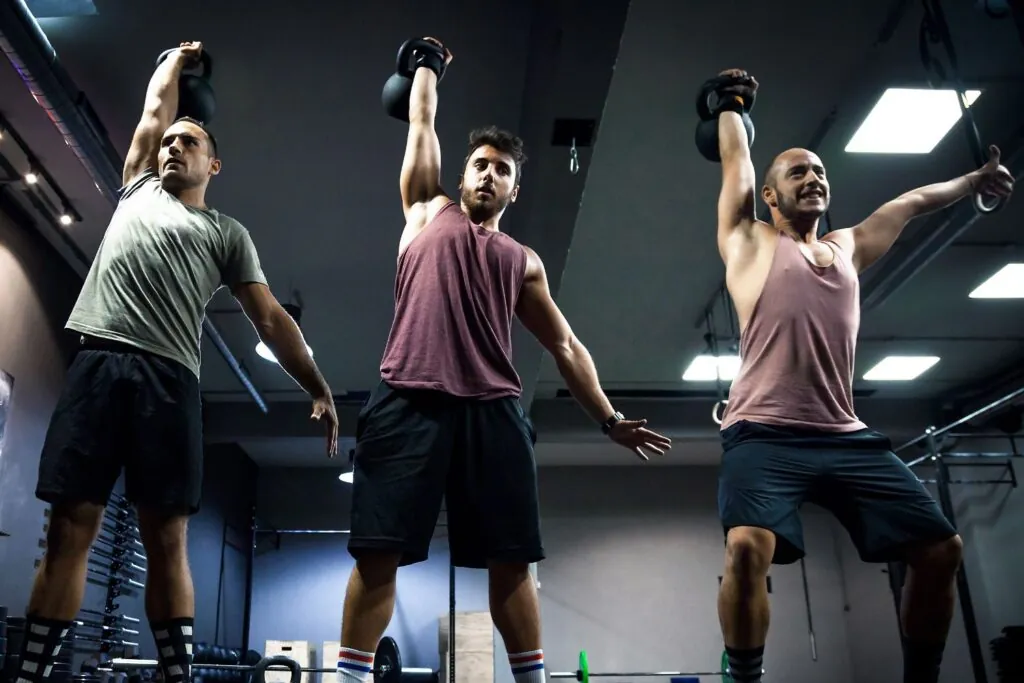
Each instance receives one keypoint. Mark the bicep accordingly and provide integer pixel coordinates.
(873, 237)
(145, 148)
(421, 167)
(257, 301)
(540, 315)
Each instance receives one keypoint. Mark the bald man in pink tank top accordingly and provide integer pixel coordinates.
(445, 422)
(790, 433)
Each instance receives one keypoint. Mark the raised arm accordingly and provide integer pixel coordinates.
(540, 315)
(873, 237)
(736, 200)
(421, 168)
(158, 111)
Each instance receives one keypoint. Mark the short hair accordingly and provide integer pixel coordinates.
(769, 172)
(205, 129)
(501, 140)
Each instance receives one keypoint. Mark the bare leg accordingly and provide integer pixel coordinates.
(58, 587)
(515, 609)
(743, 608)
(60, 581)
(170, 596)
(369, 604)
(926, 607)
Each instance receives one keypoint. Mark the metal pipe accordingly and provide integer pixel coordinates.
(33, 57)
(807, 603)
(962, 585)
(302, 531)
(247, 608)
(112, 617)
(994, 405)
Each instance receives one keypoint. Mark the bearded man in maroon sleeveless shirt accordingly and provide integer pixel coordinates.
(790, 434)
(445, 421)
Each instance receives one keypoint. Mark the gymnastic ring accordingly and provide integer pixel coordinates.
(716, 415)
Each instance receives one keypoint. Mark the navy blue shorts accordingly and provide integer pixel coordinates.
(769, 472)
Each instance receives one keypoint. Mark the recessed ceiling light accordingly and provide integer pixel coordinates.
(1007, 283)
(900, 368)
(708, 368)
(909, 121)
(346, 477)
(265, 353)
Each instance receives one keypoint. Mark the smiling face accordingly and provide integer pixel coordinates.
(796, 187)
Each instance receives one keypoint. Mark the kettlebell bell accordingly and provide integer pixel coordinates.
(706, 134)
(195, 94)
(395, 96)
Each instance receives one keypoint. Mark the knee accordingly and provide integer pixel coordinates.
(377, 569)
(72, 530)
(164, 538)
(748, 553)
(938, 559)
(508, 575)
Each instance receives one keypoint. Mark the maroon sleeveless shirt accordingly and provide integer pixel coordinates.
(798, 347)
(455, 296)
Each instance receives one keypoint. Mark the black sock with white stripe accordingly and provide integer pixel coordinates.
(174, 648)
(745, 665)
(40, 647)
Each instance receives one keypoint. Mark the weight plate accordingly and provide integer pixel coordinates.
(584, 673)
(387, 662)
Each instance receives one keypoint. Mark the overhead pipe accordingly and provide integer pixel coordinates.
(33, 57)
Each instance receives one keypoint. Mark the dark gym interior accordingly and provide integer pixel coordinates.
(621, 207)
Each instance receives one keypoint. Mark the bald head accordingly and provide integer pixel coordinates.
(795, 186)
(790, 158)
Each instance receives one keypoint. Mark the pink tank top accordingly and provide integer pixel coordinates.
(798, 347)
(455, 297)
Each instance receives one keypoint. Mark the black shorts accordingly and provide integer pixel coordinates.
(123, 408)
(768, 472)
(415, 447)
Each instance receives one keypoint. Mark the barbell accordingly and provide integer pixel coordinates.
(387, 665)
(584, 674)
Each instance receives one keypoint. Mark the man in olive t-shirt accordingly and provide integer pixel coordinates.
(131, 398)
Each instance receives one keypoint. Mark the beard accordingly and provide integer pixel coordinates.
(482, 207)
(789, 207)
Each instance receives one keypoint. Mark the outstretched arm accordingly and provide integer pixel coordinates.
(421, 168)
(540, 315)
(158, 111)
(282, 336)
(872, 238)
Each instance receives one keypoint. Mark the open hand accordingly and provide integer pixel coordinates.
(992, 179)
(634, 435)
(448, 56)
(323, 408)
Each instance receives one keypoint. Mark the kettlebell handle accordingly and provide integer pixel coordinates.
(204, 59)
(260, 670)
(712, 86)
(402, 63)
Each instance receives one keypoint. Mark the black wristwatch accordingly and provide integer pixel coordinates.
(607, 425)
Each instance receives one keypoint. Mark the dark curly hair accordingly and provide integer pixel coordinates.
(501, 140)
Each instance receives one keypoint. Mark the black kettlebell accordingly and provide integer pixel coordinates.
(259, 673)
(395, 96)
(706, 134)
(195, 94)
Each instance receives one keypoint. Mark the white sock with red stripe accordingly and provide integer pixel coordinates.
(527, 667)
(354, 665)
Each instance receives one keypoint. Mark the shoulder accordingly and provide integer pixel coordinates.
(843, 238)
(148, 181)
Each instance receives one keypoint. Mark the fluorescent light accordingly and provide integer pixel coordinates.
(708, 368)
(909, 121)
(1008, 283)
(65, 219)
(31, 178)
(900, 368)
(266, 354)
(346, 477)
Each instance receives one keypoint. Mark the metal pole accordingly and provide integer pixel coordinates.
(247, 614)
(807, 602)
(931, 432)
(962, 585)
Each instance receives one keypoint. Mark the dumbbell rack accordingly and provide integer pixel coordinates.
(117, 562)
